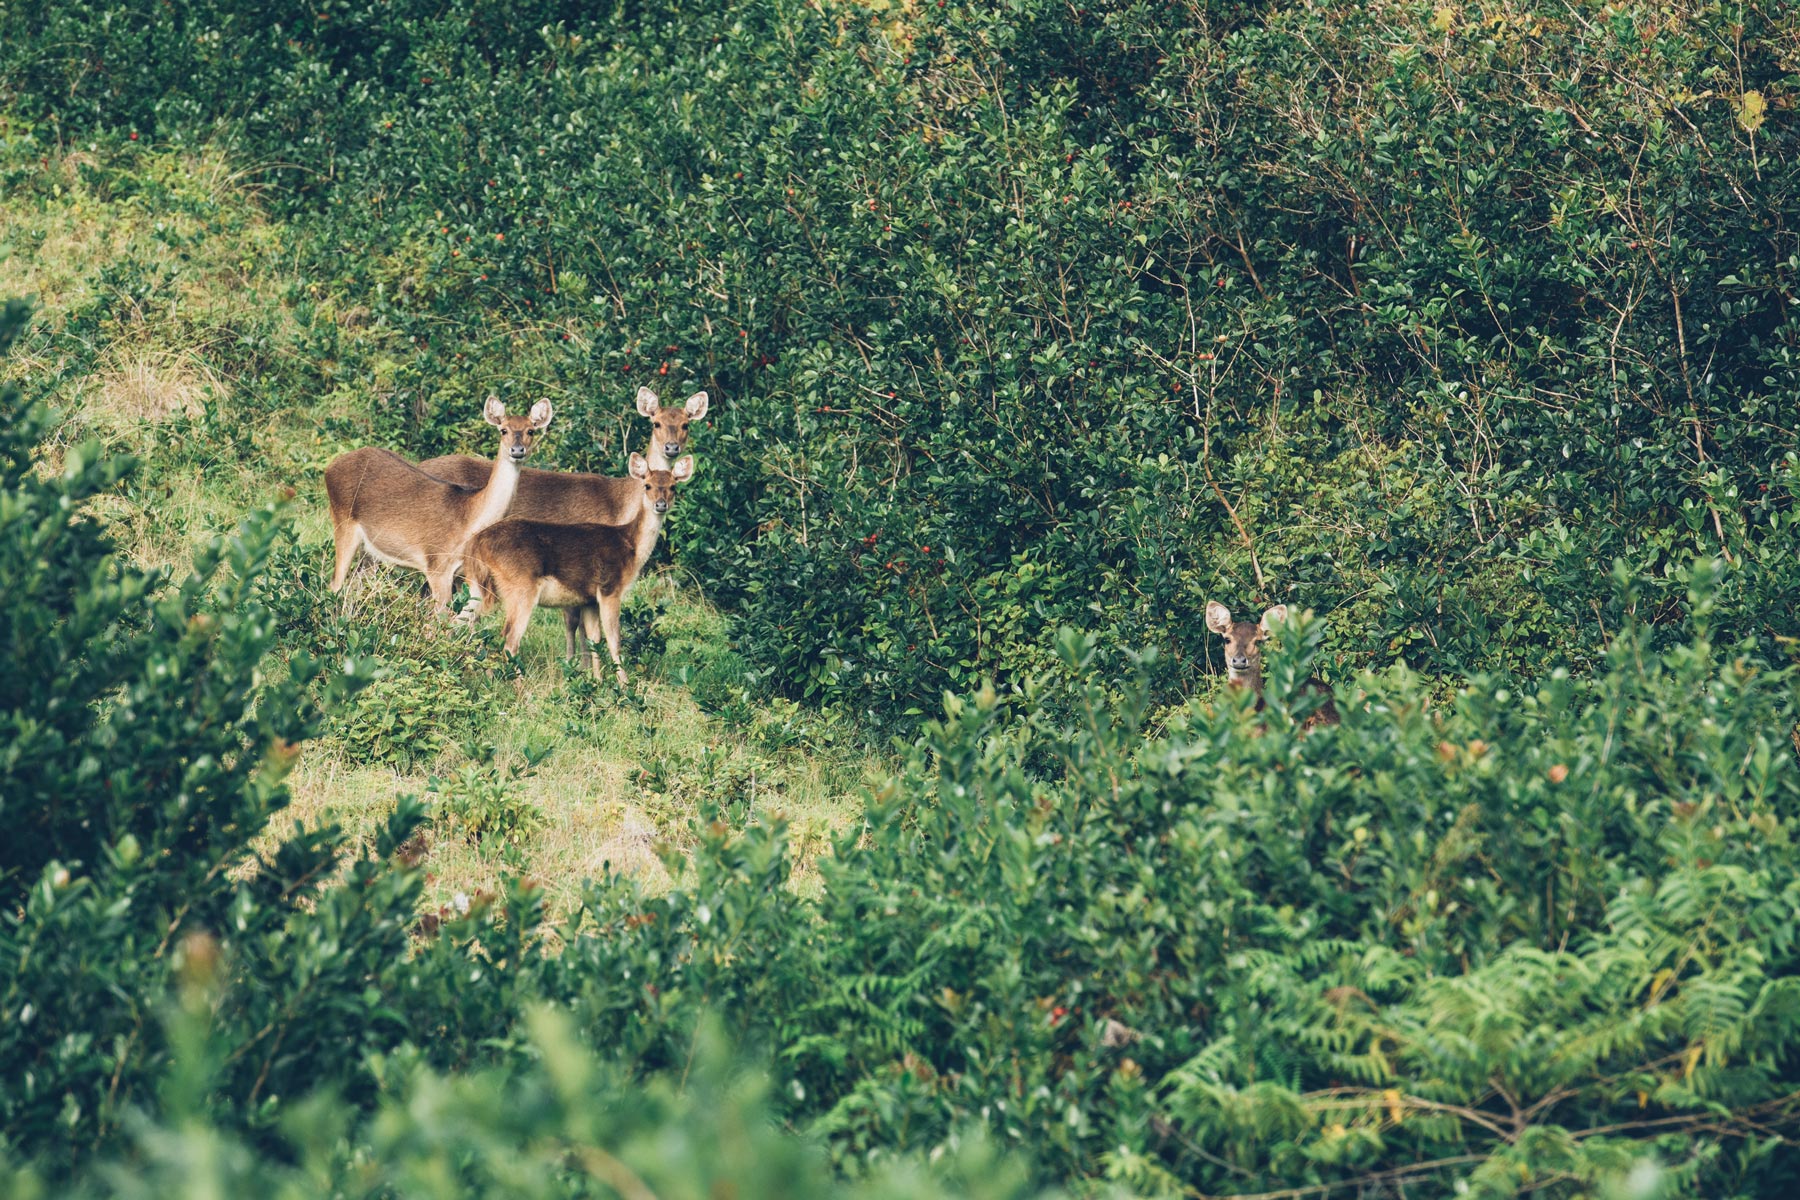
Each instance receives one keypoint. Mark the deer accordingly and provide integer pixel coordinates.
(586, 567)
(568, 498)
(407, 516)
(1243, 657)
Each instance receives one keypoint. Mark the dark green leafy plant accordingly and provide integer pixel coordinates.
(481, 801)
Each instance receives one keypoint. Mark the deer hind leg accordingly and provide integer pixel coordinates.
(348, 536)
(609, 621)
(573, 623)
(588, 617)
(518, 615)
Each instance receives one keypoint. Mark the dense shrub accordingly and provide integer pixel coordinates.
(1535, 938)
(1016, 318)
(1035, 315)
(146, 736)
(1523, 940)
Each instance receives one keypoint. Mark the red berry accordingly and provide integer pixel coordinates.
(134, 135)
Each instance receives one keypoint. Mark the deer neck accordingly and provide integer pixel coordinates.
(492, 501)
(1249, 678)
(649, 528)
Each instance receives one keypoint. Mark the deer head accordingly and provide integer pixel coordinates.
(517, 433)
(659, 486)
(1243, 653)
(670, 425)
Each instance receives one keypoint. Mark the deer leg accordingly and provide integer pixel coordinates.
(347, 535)
(518, 615)
(588, 617)
(609, 620)
(478, 604)
(440, 573)
(480, 599)
(572, 627)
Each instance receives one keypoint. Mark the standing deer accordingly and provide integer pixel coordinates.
(406, 516)
(1243, 657)
(587, 567)
(567, 498)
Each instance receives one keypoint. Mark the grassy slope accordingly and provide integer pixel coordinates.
(152, 277)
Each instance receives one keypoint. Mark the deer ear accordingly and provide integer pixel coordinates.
(1218, 618)
(493, 412)
(647, 403)
(1272, 617)
(640, 467)
(696, 405)
(683, 470)
(540, 414)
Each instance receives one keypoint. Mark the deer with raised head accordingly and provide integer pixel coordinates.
(407, 516)
(586, 567)
(1243, 657)
(569, 498)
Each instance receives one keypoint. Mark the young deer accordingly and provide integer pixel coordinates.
(567, 498)
(587, 567)
(406, 516)
(1243, 657)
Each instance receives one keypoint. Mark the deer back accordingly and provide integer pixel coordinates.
(394, 500)
(565, 497)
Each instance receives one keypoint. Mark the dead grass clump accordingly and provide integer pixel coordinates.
(145, 384)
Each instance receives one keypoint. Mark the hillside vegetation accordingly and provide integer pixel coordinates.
(1029, 328)
(170, 330)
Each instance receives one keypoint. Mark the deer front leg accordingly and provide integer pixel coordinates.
(478, 604)
(441, 575)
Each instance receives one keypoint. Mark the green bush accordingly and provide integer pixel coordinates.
(408, 715)
(146, 736)
(1389, 292)
(1016, 318)
(1535, 938)
(481, 802)
(1529, 940)
(1027, 316)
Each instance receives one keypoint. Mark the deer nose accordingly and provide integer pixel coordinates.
(662, 506)
(1238, 664)
(671, 449)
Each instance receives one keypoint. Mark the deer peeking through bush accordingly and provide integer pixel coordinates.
(1243, 658)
